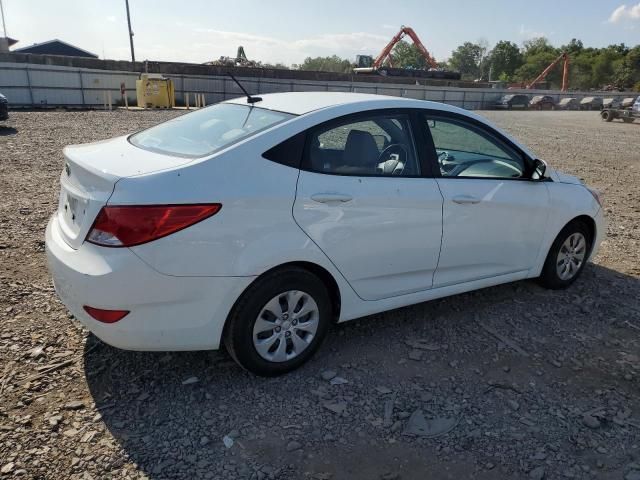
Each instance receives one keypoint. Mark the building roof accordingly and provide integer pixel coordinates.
(56, 47)
(11, 41)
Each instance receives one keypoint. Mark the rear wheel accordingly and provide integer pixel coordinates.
(279, 322)
(567, 257)
(628, 120)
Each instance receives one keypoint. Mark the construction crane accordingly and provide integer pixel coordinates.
(565, 72)
(366, 63)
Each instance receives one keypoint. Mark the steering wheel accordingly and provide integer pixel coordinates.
(393, 166)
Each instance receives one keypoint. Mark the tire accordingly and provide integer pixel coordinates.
(628, 120)
(550, 276)
(240, 336)
(606, 115)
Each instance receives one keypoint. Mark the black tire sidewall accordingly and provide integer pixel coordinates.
(549, 277)
(239, 333)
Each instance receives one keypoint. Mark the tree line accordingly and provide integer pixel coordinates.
(615, 66)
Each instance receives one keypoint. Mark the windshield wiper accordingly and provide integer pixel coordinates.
(250, 99)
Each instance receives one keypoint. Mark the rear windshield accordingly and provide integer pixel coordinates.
(208, 130)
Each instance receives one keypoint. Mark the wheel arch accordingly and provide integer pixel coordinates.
(590, 223)
(322, 273)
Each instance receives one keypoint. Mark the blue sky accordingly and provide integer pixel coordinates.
(290, 30)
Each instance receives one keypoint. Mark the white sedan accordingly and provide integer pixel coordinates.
(257, 222)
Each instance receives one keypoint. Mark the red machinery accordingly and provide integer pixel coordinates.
(377, 63)
(565, 72)
(366, 63)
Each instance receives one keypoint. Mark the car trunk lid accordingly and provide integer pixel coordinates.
(89, 176)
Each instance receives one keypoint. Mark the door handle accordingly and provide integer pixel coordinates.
(331, 197)
(466, 199)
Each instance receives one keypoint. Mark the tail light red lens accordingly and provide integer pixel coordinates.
(126, 226)
(106, 316)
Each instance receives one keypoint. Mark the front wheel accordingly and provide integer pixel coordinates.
(567, 257)
(279, 322)
(606, 115)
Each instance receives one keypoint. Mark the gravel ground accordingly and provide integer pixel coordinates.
(508, 382)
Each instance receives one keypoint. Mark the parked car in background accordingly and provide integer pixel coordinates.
(512, 101)
(591, 103)
(628, 102)
(542, 102)
(636, 105)
(256, 223)
(4, 107)
(568, 103)
(611, 103)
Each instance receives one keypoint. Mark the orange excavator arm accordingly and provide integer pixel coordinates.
(386, 51)
(565, 72)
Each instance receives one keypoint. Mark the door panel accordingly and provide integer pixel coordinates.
(490, 227)
(382, 233)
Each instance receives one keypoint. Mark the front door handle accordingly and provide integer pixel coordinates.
(331, 197)
(466, 199)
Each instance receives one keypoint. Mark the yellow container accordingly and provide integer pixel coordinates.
(155, 91)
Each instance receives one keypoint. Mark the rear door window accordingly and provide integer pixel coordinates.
(376, 145)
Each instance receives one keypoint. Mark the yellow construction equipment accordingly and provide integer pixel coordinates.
(155, 91)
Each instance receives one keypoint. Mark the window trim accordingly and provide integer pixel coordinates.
(409, 113)
(491, 134)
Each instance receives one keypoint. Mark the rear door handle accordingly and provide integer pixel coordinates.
(331, 197)
(466, 199)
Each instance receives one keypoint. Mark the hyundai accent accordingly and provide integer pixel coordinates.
(257, 222)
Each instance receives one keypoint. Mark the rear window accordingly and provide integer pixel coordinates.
(208, 130)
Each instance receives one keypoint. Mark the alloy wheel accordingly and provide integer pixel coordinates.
(286, 326)
(571, 256)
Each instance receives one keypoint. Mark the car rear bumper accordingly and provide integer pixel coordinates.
(166, 312)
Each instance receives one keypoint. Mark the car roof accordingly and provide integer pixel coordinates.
(299, 103)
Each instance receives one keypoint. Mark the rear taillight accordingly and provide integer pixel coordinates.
(126, 226)
(106, 316)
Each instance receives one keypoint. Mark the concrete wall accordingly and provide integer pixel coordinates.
(42, 85)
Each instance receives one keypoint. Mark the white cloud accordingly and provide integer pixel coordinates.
(623, 12)
(210, 44)
(111, 18)
(528, 33)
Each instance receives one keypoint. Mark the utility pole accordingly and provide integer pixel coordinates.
(4, 27)
(133, 55)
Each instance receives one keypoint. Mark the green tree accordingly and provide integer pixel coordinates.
(535, 64)
(537, 45)
(407, 55)
(504, 60)
(623, 74)
(326, 64)
(466, 60)
(574, 47)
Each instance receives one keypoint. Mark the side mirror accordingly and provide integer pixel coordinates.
(539, 169)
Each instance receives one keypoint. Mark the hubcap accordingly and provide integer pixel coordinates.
(286, 326)
(571, 256)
